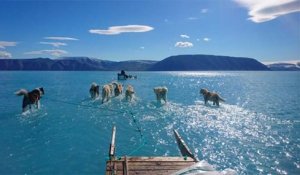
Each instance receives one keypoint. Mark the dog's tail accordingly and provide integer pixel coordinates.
(115, 83)
(221, 99)
(22, 92)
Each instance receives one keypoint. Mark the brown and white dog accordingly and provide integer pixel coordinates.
(211, 96)
(106, 93)
(30, 98)
(129, 93)
(94, 90)
(161, 93)
(118, 88)
(111, 88)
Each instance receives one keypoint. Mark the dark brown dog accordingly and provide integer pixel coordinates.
(118, 88)
(94, 90)
(211, 96)
(31, 98)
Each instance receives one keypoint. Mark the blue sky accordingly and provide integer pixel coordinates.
(149, 29)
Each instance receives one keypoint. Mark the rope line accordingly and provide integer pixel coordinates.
(139, 129)
(133, 118)
(83, 105)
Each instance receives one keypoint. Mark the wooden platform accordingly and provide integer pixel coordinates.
(147, 165)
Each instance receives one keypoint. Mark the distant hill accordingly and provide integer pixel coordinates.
(173, 63)
(281, 66)
(137, 65)
(73, 64)
(207, 62)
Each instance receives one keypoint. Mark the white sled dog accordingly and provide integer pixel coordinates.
(161, 93)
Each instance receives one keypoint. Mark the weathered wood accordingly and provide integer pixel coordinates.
(138, 167)
(156, 159)
(125, 166)
(184, 149)
(148, 165)
(112, 147)
(115, 168)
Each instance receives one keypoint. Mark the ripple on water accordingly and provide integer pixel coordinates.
(225, 135)
(245, 133)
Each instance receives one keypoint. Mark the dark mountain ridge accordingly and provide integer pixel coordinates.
(173, 63)
(206, 63)
(73, 64)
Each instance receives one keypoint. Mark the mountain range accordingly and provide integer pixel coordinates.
(207, 62)
(172, 63)
(73, 64)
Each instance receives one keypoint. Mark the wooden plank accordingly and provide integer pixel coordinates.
(170, 159)
(125, 166)
(112, 168)
(115, 169)
(159, 172)
(146, 170)
(155, 168)
(112, 151)
(160, 163)
(147, 165)
(184, 149)
(131, 165)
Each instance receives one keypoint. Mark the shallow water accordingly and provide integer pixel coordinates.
(256, 131)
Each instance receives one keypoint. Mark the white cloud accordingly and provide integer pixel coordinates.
(284, 61)
(115, 30)
(266, 10)
(4, 44)
(206, 39)
(54, 44)
(184, 36)
(204, 10)
(62, 38)
(4, 54)
(183, 44)
(55, 52)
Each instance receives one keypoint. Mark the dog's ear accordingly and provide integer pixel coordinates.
(42, 90)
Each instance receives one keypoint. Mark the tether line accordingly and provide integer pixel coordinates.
(133, 118)
(83, 105)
